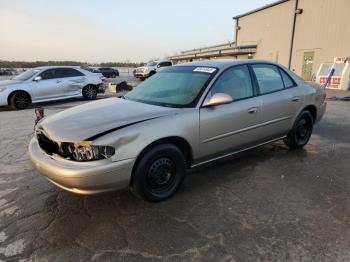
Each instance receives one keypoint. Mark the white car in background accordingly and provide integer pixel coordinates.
(50, 83)
(151, 68)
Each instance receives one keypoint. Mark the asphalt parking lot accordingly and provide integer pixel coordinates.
(267, 204)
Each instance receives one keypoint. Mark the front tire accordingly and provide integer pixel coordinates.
(300, 135)
(19, 100)
(160, 172)
(89, 92)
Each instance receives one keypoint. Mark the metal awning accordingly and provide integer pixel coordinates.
(232, 51)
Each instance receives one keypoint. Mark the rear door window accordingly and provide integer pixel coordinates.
(68, 72)
(164, 64)
(268, 77)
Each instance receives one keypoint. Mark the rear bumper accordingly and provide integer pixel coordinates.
(81, 177)
(320, 111)
(101, 88)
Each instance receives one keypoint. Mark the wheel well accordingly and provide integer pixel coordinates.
(179, 142)
(312, 109)
(96, 86)
(12, 93)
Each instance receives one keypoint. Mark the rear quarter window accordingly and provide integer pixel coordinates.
(287, 80)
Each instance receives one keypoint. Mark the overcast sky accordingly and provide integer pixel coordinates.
(113, 30)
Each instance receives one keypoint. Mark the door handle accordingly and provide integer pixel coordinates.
(58, 81)
(296, 99)
(253, 110)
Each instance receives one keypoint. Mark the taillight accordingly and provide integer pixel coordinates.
(39, 112)
(324, 94)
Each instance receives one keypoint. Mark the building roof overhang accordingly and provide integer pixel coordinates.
(239, 50)
(259, 9)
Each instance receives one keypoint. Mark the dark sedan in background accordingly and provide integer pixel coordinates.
(108, 72)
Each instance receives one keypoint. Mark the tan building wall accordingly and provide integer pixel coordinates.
(270, 29)
(322, 28)
(322, 31)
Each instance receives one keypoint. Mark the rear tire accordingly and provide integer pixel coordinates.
(160, 172)
(300, 135)
(19, 100)
(89, 92)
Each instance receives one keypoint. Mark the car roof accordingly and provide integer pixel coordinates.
(52, 67)
(159, 61)
(224, 63)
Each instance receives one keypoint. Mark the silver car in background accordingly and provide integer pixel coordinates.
(151, 68)
(49, 83)
(184, 116)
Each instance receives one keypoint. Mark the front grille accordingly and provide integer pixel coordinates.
(46, 144)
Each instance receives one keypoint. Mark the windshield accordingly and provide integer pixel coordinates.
(152, 64)
(174, 86)
(26, 75)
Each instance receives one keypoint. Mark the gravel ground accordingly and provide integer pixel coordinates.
(267, 204)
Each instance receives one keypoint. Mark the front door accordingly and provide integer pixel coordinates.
(229, 127)
(308, 61)
(49, 87)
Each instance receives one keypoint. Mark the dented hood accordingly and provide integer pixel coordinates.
(97, 118)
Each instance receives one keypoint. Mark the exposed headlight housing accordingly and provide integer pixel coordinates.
(88, 152)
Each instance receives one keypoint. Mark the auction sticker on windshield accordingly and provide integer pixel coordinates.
(204, 69)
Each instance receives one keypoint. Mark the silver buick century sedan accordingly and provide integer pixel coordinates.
(184, 116)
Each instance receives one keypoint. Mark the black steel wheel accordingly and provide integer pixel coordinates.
(19, 100)
(89, 92)
(160, 172)
(300, 135)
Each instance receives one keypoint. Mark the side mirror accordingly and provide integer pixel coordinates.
(218, 99)
(37, 78)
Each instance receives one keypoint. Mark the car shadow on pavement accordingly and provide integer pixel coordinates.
(54, 223)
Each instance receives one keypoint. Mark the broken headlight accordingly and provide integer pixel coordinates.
(89, 152)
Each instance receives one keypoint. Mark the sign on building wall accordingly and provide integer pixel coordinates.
(341, 59)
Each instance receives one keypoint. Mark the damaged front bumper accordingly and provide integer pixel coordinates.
(90, 177)
(101, 88)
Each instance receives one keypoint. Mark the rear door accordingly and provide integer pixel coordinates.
(281, 100)
(229, 127)
(49, 87)
(72, 81)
